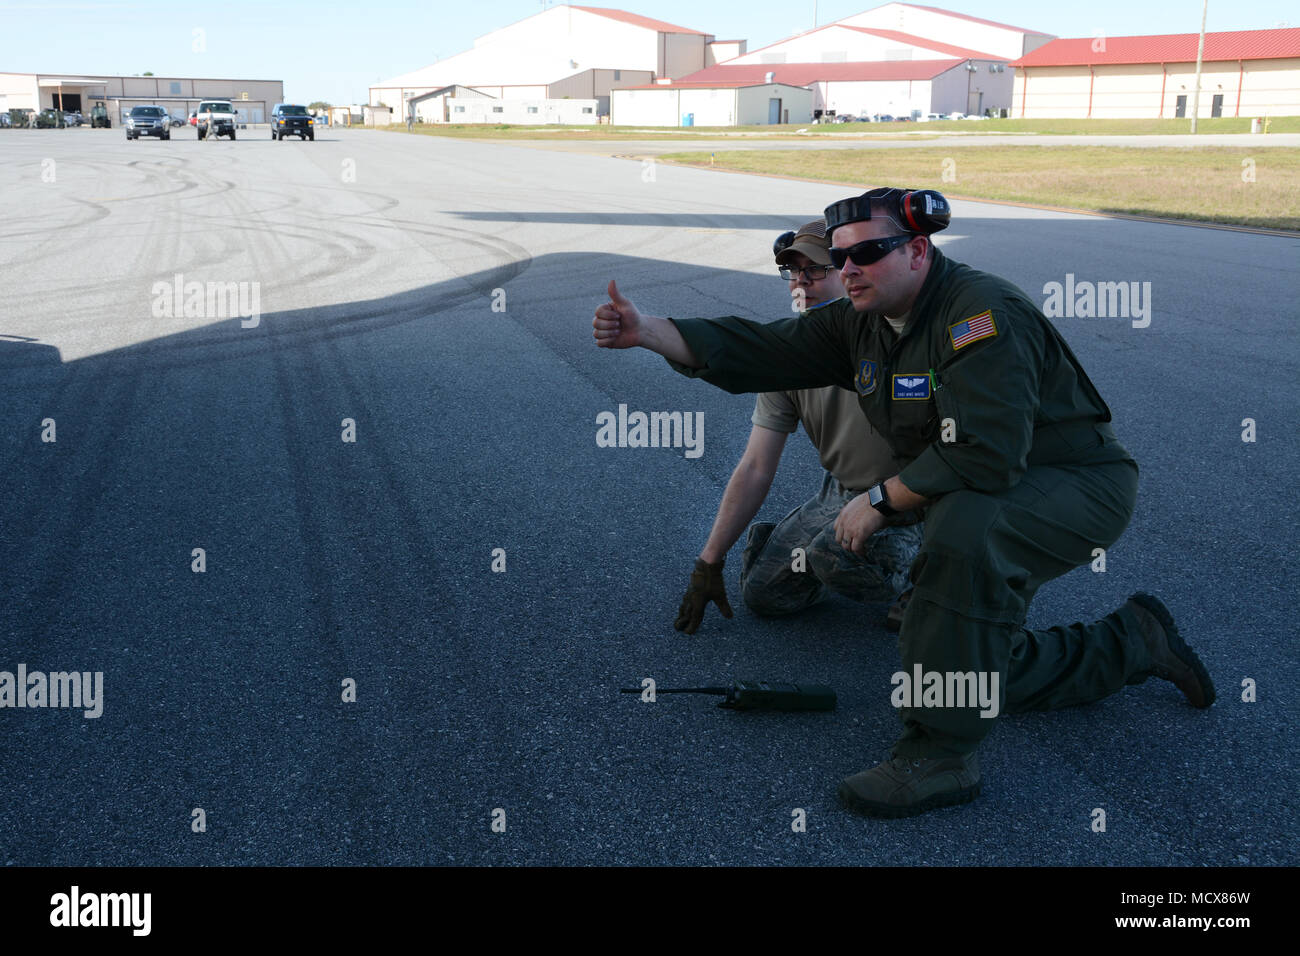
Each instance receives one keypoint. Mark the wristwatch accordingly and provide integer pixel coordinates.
(880, 500)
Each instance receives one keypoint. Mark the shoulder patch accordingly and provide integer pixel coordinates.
(973, 329)
(866, 378)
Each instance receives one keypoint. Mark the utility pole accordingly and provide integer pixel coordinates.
(1200, 52)
(814, 14)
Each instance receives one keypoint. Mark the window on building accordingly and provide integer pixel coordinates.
(460, 109)
(532, 109)
(586, 109)
(498, 109)
(618, 75)
(175, 88)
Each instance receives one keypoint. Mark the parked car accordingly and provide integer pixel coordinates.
(73, 117)
(49, 119)
(290, 120)
(175, 121)
(215, 118)
(148, 121)
(194, 117)
(883, 118)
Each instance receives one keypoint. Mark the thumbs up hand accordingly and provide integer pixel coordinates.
(618, 323)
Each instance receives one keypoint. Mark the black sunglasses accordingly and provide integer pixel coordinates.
(867, 251)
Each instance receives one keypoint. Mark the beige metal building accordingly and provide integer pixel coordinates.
(253, 99)
(1243, 73)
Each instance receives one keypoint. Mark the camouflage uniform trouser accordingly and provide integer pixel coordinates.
(770, 586)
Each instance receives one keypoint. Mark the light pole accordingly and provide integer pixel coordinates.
(1200, 52)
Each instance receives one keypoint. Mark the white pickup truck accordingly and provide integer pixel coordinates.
(215, 118)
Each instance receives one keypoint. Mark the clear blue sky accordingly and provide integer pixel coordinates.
(335, 50)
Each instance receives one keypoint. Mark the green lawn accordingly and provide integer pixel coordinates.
(1066, 127)
(1233, 185)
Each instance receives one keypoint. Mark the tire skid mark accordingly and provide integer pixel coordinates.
(41, 544)
(324, 479)
(215, 344)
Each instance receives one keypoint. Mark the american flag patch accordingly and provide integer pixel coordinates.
(972, 330)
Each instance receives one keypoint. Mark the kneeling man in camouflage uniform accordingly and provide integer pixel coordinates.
(792, 564)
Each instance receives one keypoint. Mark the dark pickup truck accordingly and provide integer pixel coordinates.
(289, 120)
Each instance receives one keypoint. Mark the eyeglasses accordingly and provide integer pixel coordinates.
(811, 273)
(867, 251)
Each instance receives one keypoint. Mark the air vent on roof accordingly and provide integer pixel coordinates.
(767, 77)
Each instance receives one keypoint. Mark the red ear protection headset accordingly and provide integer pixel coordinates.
(923, 211)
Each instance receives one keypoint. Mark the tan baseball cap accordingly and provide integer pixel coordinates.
(811, 241)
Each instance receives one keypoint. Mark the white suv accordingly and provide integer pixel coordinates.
(215, 118)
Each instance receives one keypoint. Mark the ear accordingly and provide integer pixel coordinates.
(919, 248)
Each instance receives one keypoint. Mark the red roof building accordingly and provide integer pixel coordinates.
(1166, 48)
(805, 74)
(1243, 73)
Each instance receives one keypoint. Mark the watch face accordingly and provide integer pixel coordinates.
(875, 494)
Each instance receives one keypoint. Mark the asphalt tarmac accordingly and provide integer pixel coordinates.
(438, 295)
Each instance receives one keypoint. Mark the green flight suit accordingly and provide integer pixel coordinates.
(991, 416)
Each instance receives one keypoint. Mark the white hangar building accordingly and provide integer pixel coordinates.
(899, 59)
(903, 26)
(565, 51)
(740, 103)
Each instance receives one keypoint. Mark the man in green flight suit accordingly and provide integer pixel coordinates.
(1004, 443)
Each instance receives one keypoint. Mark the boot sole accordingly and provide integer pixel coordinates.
(1180, 648)
(869, 808)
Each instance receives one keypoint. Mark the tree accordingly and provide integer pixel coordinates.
(147, 73)
(318, 105)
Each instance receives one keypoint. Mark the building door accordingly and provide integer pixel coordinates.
(774, 111)
(1180, 106)
(1216, 109)
(975, 103)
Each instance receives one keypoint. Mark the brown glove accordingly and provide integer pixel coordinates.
(706, 585)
